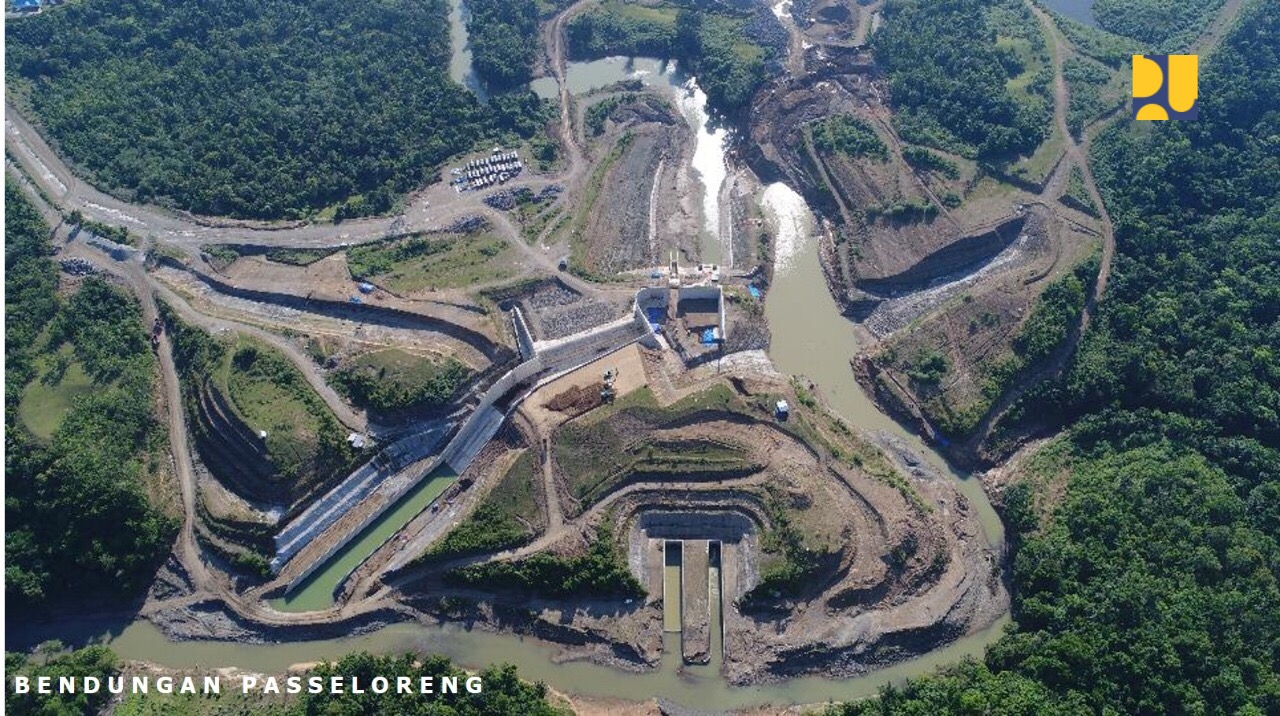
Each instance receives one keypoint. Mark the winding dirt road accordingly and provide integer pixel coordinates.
(45, 175)
(1077, 155)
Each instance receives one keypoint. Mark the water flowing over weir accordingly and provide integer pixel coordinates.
(813, 339)
(710, 139)
(810, 338)
(709, 163)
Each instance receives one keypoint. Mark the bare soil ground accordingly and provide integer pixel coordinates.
(974, 325)
(645, 204)
(543, 407)
(905, 564)
(330, 279)
(349, 327)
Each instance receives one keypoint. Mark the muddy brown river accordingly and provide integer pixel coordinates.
(810, 338)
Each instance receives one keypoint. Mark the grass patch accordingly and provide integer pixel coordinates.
(305, 442)
(501, 521)
(61, 379)
(600, 572)
(419, 263)
(790, 560)
(298, 257)
(595, 452)
(1037, 167)
(1077, 196)
(220, 255)
(392, 380)
(1086, 81)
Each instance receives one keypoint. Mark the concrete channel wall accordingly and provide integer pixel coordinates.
(524, 338)
(322, 513)
(476, 430)
(484, 429)
(647, 297)
(484, 421)
(553, 359)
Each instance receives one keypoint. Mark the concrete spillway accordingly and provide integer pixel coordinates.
(391, 496)
(672, 571)
(695, 637)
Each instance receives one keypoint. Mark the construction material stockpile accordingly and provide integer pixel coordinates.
(497, 168)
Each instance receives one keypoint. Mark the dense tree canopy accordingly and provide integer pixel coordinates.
(96, 661)
(948, 78)
(265, 109)
(504, 40)
(77, 519)
(1191, 320)
(1153, 587)
(1159, 24)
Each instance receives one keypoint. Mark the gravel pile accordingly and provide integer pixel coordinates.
(765, 29)
(581, 316)
(508, 199)
(552, 294)
(468, 224)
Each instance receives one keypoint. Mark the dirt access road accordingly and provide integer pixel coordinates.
(1077, 154)
(436, 207)
(45, 174)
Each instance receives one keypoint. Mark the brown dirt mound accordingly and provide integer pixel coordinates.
(577, 399)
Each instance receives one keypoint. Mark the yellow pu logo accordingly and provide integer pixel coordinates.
(1166, 86)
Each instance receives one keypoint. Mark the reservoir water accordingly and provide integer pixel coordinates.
(460, 68)
(811, 338)
(1078, 10)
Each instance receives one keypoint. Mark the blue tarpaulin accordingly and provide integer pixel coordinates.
(755, 292)
(709, 336)
(655, 314)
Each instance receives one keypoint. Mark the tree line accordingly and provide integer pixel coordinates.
(1154, 586)
(268, 109)
(948, 79)
(77, 519)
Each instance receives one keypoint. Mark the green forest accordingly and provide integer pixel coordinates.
(1154, 587)
(1161, 25)
(271, 109)
(949, 76)
(504, 40)
(77, 519)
